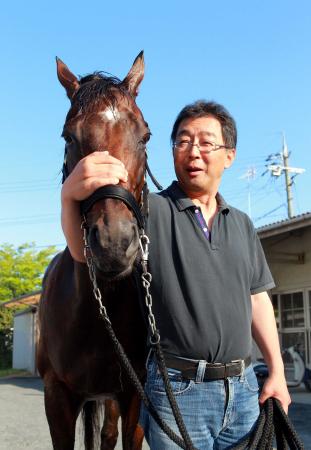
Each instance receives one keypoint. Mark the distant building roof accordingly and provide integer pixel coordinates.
(31, 299)
(283, 226)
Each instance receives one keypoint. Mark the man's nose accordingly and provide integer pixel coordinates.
(194, 150)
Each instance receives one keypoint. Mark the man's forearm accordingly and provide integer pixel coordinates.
(266, 336)
(265, 333)
(71, 224)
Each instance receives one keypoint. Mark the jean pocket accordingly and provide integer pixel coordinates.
(250, 380)
(178, 383)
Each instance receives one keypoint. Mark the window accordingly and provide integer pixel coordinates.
(275, 305)
(292, 312)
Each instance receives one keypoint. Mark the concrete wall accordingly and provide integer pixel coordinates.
(24, 341)
(289, 259)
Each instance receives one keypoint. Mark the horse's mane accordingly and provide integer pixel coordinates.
(96, 86)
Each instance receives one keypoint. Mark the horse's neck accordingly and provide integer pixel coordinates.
(109, 291)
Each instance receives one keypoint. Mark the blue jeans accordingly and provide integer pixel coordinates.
(217, 414)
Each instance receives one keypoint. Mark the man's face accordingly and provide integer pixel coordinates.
(200, 173)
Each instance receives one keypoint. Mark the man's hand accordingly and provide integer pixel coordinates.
(275, 386)
(92, 172)
(95, 170)
(265, 333)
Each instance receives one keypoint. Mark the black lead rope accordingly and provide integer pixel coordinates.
(152, 177)
(272, 423)
(126, 364)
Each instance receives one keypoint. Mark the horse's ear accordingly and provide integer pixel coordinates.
(135, 75)
(66, 78)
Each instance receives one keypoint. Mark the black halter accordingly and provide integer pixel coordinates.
(119, 193)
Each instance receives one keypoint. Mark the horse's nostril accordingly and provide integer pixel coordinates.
(94, 235)
(125, 242)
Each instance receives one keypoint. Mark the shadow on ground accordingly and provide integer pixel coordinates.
(23, 382)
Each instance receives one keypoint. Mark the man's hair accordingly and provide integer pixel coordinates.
(202, 108)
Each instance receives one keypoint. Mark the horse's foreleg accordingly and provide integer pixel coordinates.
(132, 432)
(62, 409)
(109, 433)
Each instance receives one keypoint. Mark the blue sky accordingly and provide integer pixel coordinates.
(254, 57)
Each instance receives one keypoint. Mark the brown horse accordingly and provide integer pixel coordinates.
(75, 356)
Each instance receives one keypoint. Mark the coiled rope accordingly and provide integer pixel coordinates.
(272, 425)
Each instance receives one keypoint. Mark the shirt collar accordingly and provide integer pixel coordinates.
(183, 202)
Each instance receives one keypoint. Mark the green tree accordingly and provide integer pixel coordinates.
(21, 269)
(21, 272)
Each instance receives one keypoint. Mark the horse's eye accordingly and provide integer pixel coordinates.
(146, 138)
(68, 139)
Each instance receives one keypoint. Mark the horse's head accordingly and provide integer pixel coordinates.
(104, 116)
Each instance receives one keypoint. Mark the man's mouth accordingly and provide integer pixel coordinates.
(193, 171)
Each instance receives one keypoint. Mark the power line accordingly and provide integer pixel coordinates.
(50, 245)
(278, 164)
(28, 220)
(35, 216)
(270, 212)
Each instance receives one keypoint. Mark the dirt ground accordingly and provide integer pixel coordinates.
(23, 423)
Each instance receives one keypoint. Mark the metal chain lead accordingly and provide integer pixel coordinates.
(89, 261)
(146, 281)
(145, 276)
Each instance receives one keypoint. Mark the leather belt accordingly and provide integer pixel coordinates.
(213, 371)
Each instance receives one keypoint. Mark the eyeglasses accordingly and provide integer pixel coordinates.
(205, 146)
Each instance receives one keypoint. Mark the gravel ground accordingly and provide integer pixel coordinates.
(23, 424)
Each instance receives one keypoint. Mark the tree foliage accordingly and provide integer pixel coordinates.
(21, 269)
(21, 272)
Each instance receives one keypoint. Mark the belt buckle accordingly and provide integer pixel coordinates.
(242, 362)
(212, 365)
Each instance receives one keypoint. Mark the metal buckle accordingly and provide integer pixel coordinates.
(242, 362)
(234, 362)
(242, 367)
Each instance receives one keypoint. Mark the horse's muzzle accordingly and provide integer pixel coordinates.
(114, 248)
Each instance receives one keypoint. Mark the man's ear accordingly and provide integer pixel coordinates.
(230, 157)
(66, 78)
(135, 75)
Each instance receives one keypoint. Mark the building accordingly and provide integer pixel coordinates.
(287, 245)
(26, 331)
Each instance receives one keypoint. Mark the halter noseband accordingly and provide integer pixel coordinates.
(119, 193)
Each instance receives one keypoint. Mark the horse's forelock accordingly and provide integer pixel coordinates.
(98, 86)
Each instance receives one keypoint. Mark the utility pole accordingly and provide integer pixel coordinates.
(249, 174)
(279, 165)
(288, 180)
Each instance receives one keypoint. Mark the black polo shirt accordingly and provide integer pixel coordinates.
(201, 288)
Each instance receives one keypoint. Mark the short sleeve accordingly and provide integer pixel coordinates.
(262, 279)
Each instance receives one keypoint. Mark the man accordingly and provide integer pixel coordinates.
(209, 285)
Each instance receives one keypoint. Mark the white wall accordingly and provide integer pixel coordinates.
(24, 342)
(291, 274)
(281, 254)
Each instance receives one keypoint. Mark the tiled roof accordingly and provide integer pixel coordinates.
(281, 226)
(30, 299)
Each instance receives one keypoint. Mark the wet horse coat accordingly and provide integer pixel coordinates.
(75, 356)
